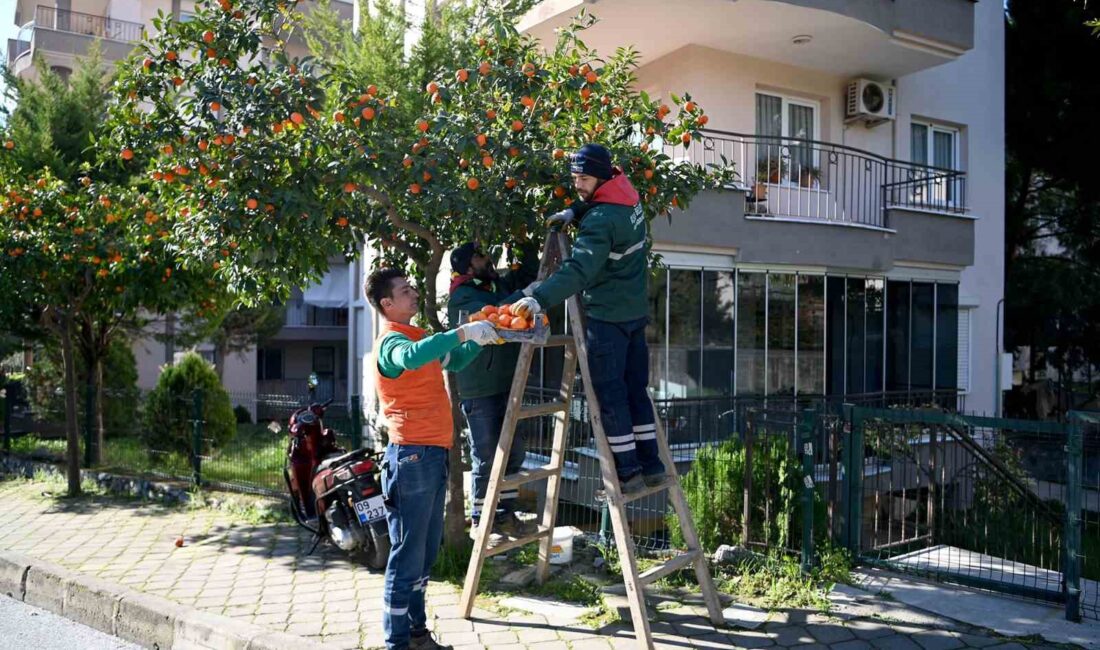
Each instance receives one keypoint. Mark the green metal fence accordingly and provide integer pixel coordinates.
(990, 503)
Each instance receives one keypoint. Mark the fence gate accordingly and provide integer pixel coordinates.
(984, 502)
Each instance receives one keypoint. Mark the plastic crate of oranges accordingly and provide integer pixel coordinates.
(514, 328)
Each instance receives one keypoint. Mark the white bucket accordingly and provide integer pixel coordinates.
(561, 549)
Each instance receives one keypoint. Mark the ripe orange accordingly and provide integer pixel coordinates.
(297, 118)
(517, 125)
(423, 126)
(203, 145)
(372, 89)
(432, 87)
(177, 81)
(519, 323)
(487, 161)
(215, 107)
(491, 114)
(407, 162)
(686, 138)
(427, 176)
(513, 152)
(342, 222)
(506, 308)
(559, 154)
(559, 191)
(414, 188)
(167, 149)
(591, 77)
(648, 174)
(208, 37)
(484, 68)
(127, 154)
(338, 116)
(475, 317)
(462, 75)
(481, 139)
(473, 183)
(368, 113)
(170, 55)
(529, 69)
(211, 53)
(228, 139)
(689, 107)
(489, 309)
(252, 204)
(703, 119)
(527, 101)
(586, 92)
(653, 189)
(493, 318)
(510, 183)
(350, 187)
(505, 322)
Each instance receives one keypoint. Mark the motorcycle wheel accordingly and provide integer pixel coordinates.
(376, 554)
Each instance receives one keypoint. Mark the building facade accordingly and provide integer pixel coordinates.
(860, 252)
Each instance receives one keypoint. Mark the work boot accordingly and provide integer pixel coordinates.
(426, 642)
(653, 480)
(508, 524)
(632, 485)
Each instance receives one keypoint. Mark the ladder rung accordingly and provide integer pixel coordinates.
(556, 341)
(546, 408)
(525, 476)
(513, 542)
(672, 566)
(645, 492)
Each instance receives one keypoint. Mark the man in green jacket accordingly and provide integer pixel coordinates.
(484, 385)
(609, 269)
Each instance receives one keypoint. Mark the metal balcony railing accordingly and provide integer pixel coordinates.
(303, 314)
(75, 22)
(808, 179)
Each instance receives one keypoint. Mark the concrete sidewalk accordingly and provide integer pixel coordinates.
(257, 579)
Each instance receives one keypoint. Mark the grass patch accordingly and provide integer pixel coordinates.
(32, 445)
(452, 562)
(776, 580)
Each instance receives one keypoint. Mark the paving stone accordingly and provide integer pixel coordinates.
(856, 644)
(937, 640)
(864, 629)
(693, 627)
(1010, 646)
(457, 638)
(828, 634)
(549, 645)
(790, 636)
(498, 638)
(810, 646)
(895, 642)
(976, 641)
(591, 644)
(714, 641)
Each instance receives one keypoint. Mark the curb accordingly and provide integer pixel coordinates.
(144, 619)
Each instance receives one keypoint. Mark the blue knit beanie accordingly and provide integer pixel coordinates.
(593, 160)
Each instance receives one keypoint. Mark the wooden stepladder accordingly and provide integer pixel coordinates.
(557, 249)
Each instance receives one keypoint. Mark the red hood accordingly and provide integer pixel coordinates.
(459, 280)
(617, 191)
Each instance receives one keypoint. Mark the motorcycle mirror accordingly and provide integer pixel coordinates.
(274, 427)
(312, 381)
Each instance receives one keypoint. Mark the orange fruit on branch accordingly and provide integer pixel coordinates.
(473, 183)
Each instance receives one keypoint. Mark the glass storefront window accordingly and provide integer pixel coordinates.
(875, 300)
(751, 328)
(947, 336)
(718, 314)
(655, 332)
(684, 353)
(811, 335)
(897, 336)
(781, 323)
(854, 335)
(923, 336)
(836, 321)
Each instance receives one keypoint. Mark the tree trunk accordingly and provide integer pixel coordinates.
(72, 432)
(219, 359)
(100, 421)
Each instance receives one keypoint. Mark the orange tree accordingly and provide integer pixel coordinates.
(276, 163)
(84, 254)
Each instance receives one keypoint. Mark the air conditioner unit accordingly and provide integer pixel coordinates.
(872, 102)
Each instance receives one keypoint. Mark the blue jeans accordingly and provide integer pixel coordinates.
(485, 416)
(414, 485)
(618, 359)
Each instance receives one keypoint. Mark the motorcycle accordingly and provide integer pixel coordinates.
(334, 493)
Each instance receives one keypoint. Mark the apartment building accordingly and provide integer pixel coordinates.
(860, 253)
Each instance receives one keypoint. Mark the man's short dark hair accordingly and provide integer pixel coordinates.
(380, 285)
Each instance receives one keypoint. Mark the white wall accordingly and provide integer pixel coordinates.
(970, 92)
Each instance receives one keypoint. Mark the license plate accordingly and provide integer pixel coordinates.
(370, 509)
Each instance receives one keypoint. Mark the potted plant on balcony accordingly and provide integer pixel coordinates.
(809, 176)
(769, 169)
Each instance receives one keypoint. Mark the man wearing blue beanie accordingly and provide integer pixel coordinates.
(609, 269)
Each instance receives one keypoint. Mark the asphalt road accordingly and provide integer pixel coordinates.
(23, 627)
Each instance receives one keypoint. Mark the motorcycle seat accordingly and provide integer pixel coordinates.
(333, 461)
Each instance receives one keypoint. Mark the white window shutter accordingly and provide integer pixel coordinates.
(964, 350)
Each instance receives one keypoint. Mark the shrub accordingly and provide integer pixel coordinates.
(168, 409)
(242, 414)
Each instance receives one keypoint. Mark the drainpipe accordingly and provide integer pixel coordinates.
(997, 378)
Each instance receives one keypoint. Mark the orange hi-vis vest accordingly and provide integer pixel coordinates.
(415, 407)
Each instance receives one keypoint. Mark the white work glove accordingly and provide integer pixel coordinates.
(531, 288)
(480, 332)
(526, 307)
(560, 219)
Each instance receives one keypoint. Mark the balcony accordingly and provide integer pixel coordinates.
(306, 322)
(62, 35)
(789, 188)
(879, 38)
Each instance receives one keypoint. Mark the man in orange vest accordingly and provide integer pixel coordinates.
(408, 373)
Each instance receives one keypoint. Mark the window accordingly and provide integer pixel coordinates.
(963, 366)
(811, 335)
(751, 327)
(778, 117)
(717, 336)
(269, 364)
(937, 147)
(781, 324)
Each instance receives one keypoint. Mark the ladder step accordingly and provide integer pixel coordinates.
(525, 476)
(556, 341)
(671, 566)
(513, 542)
(546, 408)
(647, 491)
